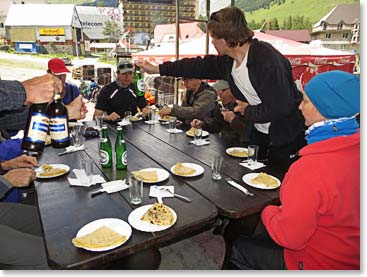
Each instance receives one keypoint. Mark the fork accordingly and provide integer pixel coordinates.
(238, 186)
(176, 195)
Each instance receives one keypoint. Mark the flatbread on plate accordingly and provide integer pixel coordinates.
(265, 179)
(182, 170)
(49, 171)
(149, 176)
(101, 237)
(159, 214)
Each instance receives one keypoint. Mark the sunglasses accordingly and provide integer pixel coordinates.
(125, 65)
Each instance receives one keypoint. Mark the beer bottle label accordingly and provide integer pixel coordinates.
(124, 158)
(38, 128)
(58, 129)
(105, 158)
(140, 86)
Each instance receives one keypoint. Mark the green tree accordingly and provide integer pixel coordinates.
(112, 31)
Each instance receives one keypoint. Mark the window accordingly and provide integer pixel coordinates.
(328, 36)
(340, 26)
(345, 35)
(343, 46)
(324, 26)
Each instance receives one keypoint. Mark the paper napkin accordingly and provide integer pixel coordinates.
(201, 142)
(82, 179)
(174, 131)
(124, 122)
(155, 191)
(257, 165)
(71, 149)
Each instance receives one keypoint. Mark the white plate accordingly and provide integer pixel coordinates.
(203, 134)
(135, 222)
(118, 225)
(199, 169)
(61, 166)
(162, 174)
(247, 179)
(229, 150)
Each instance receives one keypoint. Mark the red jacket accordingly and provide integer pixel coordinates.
(318, 223)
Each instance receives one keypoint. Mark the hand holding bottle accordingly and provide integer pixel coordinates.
(148, 67)
(41, 89)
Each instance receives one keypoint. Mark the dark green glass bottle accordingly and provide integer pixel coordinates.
(120, 150)
(139, 82)
(105, 149)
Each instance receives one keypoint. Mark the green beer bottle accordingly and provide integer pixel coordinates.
(105, 149)
(120, 150)
(139, 82)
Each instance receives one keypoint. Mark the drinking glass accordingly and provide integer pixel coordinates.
(87, 166)
(128, 115)
(151, 117)
(197, 135)
(99, 121)
(252, 154)
(216, 166)
(76, 135)
(135, 189)
(172, 124)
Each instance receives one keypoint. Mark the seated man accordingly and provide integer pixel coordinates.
(225, 121)
(57, 68)
(120, 96)
(317, 225)
(199, 102)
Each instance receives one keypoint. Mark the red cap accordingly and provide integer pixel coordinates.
(57, 66)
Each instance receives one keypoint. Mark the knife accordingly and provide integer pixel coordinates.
(110, 187)
(239, 187)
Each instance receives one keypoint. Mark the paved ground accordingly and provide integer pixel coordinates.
(201, 252)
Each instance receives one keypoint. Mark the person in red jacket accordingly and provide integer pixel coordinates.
(317, 225)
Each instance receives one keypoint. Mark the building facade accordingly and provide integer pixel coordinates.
(339, 29)
(143, 15)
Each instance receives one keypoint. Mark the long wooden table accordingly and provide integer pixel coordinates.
(64, 210)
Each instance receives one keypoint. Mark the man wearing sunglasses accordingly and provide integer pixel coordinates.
(120, 96)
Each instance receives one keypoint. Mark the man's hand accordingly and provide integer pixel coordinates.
(228, 116)
(241, 106)
(196, 123)
(20, 177)
(148, 67)
(20, 162)
(165, 111)
(145, 111)
(77, 108)
(112, 117)
(42, 89)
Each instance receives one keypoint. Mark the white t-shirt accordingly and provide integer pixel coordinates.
(242, 80)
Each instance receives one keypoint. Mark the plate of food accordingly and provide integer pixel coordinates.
(51, 170)
(239, 152)
(135, 118)
(261, 180)
(191, 133)
(152, 175)
(165, 118)
(187, 169)
(152, 218)
(102, 234)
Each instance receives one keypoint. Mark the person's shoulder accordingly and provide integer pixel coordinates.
(110, 87)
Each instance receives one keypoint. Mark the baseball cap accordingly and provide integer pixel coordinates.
(125, 66)
(57, 66)
(220, 85)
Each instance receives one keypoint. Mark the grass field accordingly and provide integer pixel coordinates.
(313, 9)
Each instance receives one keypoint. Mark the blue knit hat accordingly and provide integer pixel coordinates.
(335, 94)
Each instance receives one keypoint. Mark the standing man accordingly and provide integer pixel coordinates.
(199, 102)
(259, 76)
(120, 96)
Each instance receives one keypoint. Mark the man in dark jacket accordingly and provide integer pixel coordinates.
(199, 102)
(259, 76)
(225, 121)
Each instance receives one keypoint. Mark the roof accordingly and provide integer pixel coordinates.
(40, 15)
(297, 35)
(5, 4)
(347, 13)
(163, 32)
